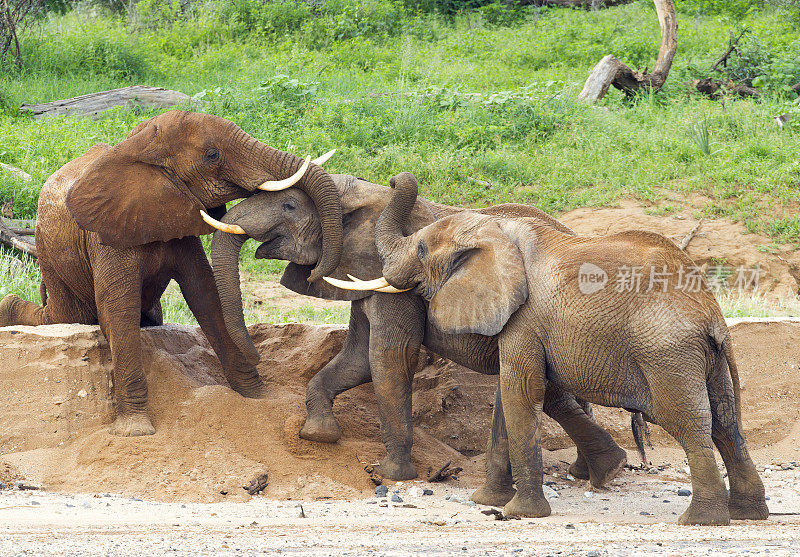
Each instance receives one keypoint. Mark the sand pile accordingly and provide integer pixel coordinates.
(716, 242)
(55, 409)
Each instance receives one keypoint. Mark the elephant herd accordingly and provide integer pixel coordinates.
(506, 290)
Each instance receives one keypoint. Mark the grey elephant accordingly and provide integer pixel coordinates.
(662, 349)
(386, 330)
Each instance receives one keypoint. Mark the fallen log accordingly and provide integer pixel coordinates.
(611, 71)
(18, 172)
(94, 103)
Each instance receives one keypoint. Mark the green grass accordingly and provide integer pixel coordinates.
(522, 131)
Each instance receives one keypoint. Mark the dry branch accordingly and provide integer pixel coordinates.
(15, 241)
(688, 238)
(611, 71)
(94, 103)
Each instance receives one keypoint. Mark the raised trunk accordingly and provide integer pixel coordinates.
(225, 250)
(392, 246)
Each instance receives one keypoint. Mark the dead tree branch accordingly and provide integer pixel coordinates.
(12, 240)
(611, 71)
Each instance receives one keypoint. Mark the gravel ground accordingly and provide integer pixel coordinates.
(634, 516)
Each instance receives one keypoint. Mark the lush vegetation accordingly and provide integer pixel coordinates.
(476, 98)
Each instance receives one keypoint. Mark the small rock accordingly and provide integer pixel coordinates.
(372, 502)
(381, 491)
(766, 497)
(414, 492)
(569, 526)
(653, 470)
(588, 494)
(593, 553)
(427, 492)
(396, 498)
(2, 485)
(470, 503)
(549, 492)
(35, 503)
(570, 477)
(645, 513)
(82, 393)
(683, 492)
(665, 501)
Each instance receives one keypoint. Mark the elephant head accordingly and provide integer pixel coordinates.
(289, 228)
(467, 265)
(155, 184)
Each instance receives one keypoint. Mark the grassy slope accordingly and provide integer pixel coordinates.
(546, 151)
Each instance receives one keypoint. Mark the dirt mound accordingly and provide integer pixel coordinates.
(55, 409)
(717, 242)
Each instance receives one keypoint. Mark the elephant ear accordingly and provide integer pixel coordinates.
(487, 285)
(129, 198)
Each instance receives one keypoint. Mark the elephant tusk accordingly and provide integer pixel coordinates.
(377, 285)
(322, 159)
(278, 185)
(229, 228)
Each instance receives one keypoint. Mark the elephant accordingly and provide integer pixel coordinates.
(385, 330)
(118, 223)
(663, 350)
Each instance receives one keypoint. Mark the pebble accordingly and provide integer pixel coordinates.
(381, 491)
(2, 485)
(372, 502)
(549, 492)
(593, 553)
(427, 492)
(569, 526)
(588, 494)
(683, 492)
(396, 498)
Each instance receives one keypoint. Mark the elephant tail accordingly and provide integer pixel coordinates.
(721, 337)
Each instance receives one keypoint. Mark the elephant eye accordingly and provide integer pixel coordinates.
(422, 250)
(212, 156)
(288, 206)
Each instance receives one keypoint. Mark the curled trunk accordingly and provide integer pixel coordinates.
(319, 186)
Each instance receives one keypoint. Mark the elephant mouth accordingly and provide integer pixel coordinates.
(269, 249)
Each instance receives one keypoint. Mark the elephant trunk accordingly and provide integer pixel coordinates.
(225, 250)
(391, 244)
(319, 186)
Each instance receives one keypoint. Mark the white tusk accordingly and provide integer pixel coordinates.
(278, 185)
(391, 290)
(229, 228)
(322, 159)
(377, 285)
(345, 285)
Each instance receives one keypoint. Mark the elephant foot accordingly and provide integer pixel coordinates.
(254, 388)
(323, 429)
(743, 508)
(397, 471)
(132, 425)
(493, 497)
(7, 310)
(605, 467)
(579, 469)
(706, 514)
(527, 507)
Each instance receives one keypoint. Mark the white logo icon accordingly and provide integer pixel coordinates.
(591, 278)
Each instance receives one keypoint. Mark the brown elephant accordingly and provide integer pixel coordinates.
(662, 349)
(117, 224)
(385, 330)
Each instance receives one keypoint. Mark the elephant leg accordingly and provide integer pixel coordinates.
(196, 280)
(597, 450)
(746, 498)
(396, 332)
(499, 486)
(61, 306)
(348, 369)
(684, 411)
(522, 388)
(118, 294)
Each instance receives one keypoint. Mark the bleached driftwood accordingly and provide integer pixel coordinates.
(95, 103)
(611, 71)
(9, 238)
